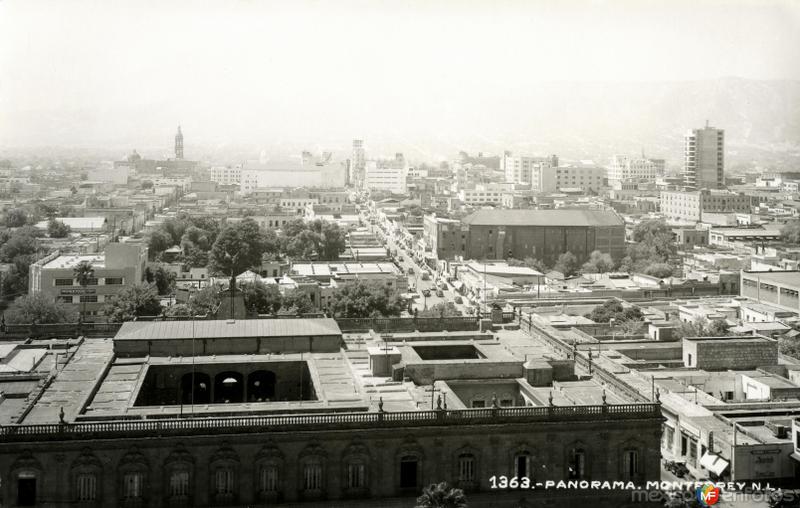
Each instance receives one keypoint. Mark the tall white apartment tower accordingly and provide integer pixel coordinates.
(358, 162)
(704, 162)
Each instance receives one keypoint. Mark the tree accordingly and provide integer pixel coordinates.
(790, 232)
(205, 301)
(57, 229)
(441, 310)
(163, 279)
(16, 217)
(260, 298)
(567, 264)
(441, 495)
(158, 241)
(134, 301)
(19, 243)
(84, 274)
(659, 270)
(360, 300)
(240, 247)
(718, 328)
(613, 309)
(178, 310)
(599, 262)
(789, 346)
(37, 308)
(296, 302)
(146, 184)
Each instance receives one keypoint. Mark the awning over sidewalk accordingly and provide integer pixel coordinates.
(714, 463)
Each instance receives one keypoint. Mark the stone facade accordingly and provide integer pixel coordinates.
(241, 461)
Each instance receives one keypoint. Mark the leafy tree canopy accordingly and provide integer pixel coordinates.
(134, 301)
(360, 300)
(37, 308)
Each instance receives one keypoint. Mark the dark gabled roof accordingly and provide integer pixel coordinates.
(543, 218)
(217, 329)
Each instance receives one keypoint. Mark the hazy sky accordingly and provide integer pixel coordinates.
(126, 73)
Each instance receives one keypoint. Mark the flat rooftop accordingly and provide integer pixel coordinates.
(738, 339)
(785, 278)
(72, 260)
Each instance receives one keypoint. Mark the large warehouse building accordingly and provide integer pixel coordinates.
(540, 234)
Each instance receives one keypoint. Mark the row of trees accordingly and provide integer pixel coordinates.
(20, 248)
(204, 243)
(652, 253)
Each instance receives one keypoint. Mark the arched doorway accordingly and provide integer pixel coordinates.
(261, 386)
(202, 388)
(228, 387)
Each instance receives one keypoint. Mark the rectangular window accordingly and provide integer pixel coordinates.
(132, 485)
(632, 463)
(179, 484)
(268, 479)
(478, 403)
(114, 281)
(88, 298)
(356, 475)
(92, 281)
(506, 402)
(63, 282)
(312, 477)
(223, 483)
(87, 487)
(466, 468)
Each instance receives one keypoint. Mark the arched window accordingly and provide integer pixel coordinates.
(355, 470)
(224, 476)
(198, 392)
(261, 386)
(268, 465)
(312, 472)
(132, 469)
(86, 474)
(228, 388)
(312, 476)
(178, 469)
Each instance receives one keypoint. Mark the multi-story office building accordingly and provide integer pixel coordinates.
(358, 161)
(586, 177)
(520, 168)
(388, 175)
(119, 267)
(258, 175)
(690, 206)
(226, 175)
(482, 195)
(633, 169)
(704, 160)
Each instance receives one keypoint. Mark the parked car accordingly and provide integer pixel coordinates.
(439, 293)
(426, 276)
(676, 467)
(458, 299)
(410, 271)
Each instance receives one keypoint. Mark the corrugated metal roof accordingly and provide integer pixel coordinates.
(213, 329)
(543, 218)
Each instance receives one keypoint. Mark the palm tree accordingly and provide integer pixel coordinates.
(441, 495)
(83, 273)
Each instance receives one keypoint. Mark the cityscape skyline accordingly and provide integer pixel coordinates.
(256, 72)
